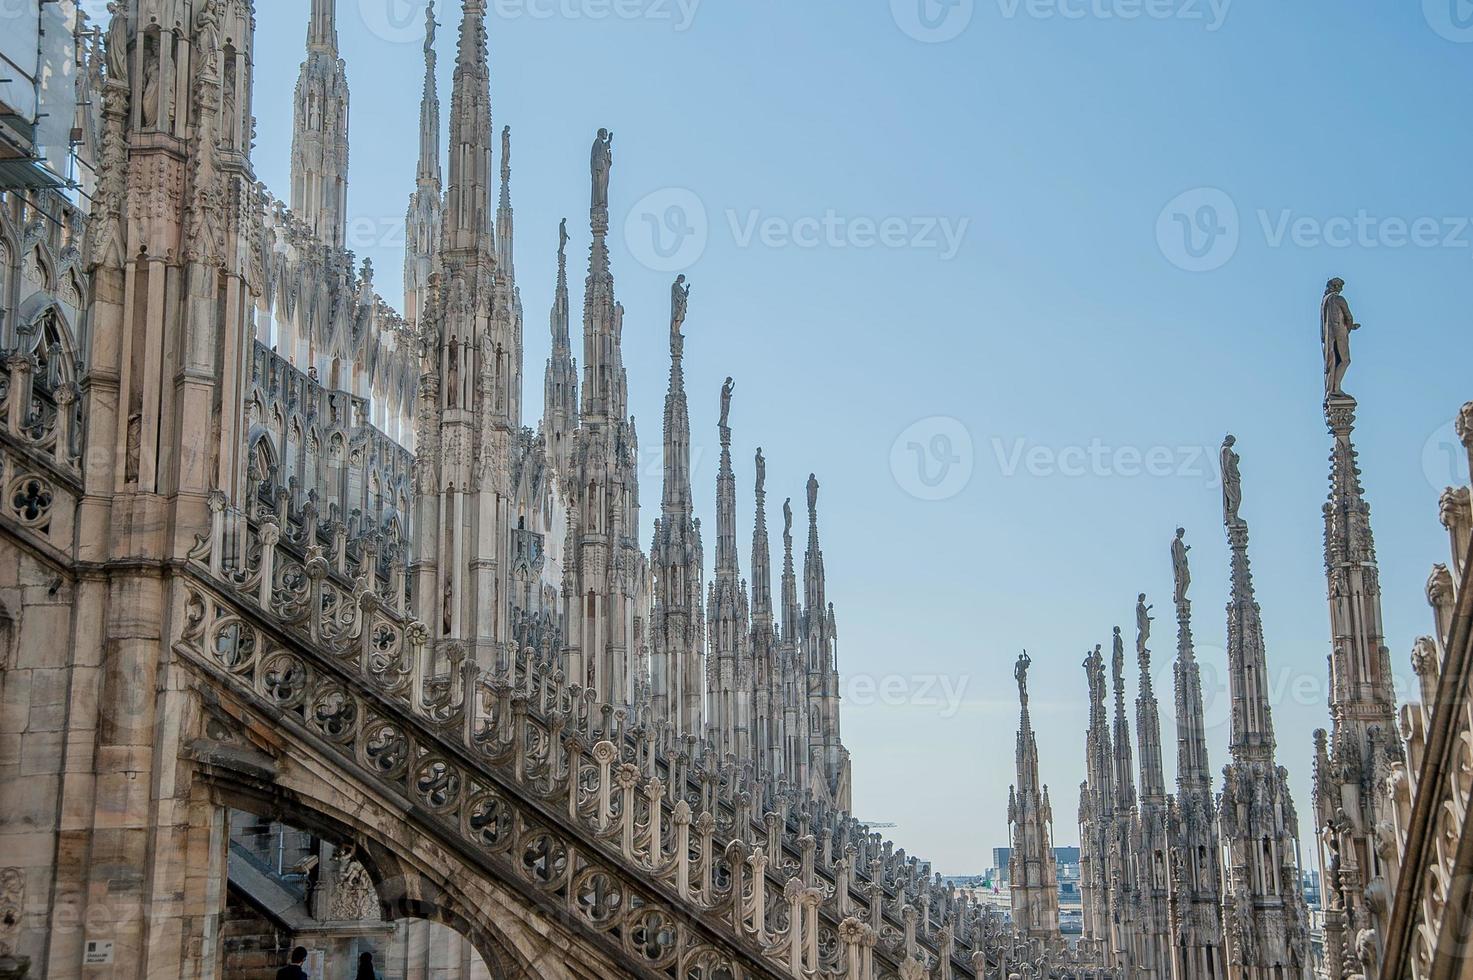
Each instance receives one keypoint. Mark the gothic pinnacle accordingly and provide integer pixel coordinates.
(322, 30)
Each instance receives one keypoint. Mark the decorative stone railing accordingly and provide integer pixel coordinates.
(692, 869)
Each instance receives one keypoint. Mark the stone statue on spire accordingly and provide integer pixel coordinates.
(117, 43)
(679, 302)
(1020, 672)
(1336, 323)
(562, 243)
(602, 163)
(1181, 572)
(761, 472)
(788, 522)
(505, 154)
(1232, 483)
(430, 27)
(812, 494)
(1142, 623)
(726, 391)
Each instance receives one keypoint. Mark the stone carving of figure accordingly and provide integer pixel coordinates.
(761, 471)
(788, 522)
(1020, 673)
(679, 301)
(726, 391)
(1232, 482)
(812, 494)
(117, 43)
(1142, 621)
(150, 89)
(445, 605)
(505, 153)
(562, 241)
(207, 34)
(1336, 323)
(602, 162)
(430, 26)
(134, 446)
(452, 392)
(1181, 571)
(1117, 656)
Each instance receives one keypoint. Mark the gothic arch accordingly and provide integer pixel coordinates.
(405, 889)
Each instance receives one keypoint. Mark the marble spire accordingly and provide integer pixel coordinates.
(423, 219)
(468, 193)
(609, 606)
(1196, 869)
(1152, 956)
(1124, 758)
(729, 675)
(1032, 873)
(677, 558)
(767, 727)
(560, 379)
(1264, 914)
(322, 29)
(829, 758)
(1096, 809)
(1362, 745)
(319, 175)
(1148, 720)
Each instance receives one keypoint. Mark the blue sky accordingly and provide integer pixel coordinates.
(1068, 352)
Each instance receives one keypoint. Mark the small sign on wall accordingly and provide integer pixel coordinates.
(97, 952)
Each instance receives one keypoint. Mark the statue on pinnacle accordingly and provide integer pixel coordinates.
(679, 302)
(1020, 672)
(1232, 483)
(1336, 323)
(1143, 619)
(726, 392)
(602, 163)
(1181, 571)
